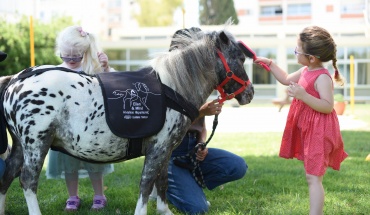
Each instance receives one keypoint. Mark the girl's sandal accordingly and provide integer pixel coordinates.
(99, 202)
(73, 203)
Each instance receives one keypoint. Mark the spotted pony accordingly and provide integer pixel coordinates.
(66, 110)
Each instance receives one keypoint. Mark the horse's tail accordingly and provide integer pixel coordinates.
(6, 153)
(4, 81)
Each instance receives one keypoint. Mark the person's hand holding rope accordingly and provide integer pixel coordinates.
(202, 152)
(211, 108)
(208, 109)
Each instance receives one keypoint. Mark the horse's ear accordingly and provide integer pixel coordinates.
(2, 56)
(224, 38)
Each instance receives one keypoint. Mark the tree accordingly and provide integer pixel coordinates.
(216, 12)
(156, 12)
(15, 41)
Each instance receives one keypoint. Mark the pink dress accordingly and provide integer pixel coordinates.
(311, 136)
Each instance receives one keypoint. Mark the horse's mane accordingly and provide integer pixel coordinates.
(190, 65)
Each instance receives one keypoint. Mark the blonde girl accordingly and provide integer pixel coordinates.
(79, 52)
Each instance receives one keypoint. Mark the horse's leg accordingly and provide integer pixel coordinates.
(146, 186)
(29, 181)
(34, 156)
(156, 160)
(161, 185)
(14, 163)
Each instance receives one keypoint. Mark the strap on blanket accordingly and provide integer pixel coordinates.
(178, 103)
(34, 71)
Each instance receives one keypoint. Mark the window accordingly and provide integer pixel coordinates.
(340, 53)
(130, 59)
(361, 65)
(271, 10)
(290, 53)
(260, 76)
(359, 52)
(299, 9)
(118, 67)
(116, 54)
(345, 71)
(363, 73)
(293, 67)
(138, 54)
(115, 3)
(352, 7)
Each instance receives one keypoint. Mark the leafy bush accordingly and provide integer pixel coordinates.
(338, 97)
(15, 41)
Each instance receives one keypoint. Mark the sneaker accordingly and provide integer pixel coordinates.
(99, 202)
(72, 203)
(209, 204)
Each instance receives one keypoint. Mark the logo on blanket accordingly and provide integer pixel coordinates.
(134, 101)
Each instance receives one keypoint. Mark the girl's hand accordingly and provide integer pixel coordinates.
(103, 59)
(263, 62)
(295, 90)
(262, 59)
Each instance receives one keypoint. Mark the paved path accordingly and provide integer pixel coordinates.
(264, 119)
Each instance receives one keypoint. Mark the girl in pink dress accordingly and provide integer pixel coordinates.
(312, 131)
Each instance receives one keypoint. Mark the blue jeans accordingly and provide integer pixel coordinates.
(219, 167)
(2, 167)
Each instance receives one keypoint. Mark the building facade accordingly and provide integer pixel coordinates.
(269, 27)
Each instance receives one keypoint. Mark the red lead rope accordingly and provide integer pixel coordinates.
(229, 75)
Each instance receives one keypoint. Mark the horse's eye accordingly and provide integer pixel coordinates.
(242, 59)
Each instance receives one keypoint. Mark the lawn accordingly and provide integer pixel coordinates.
(272, 185)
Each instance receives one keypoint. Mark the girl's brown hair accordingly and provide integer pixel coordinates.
(318, 42)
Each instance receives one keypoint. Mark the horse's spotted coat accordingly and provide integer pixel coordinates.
(65, 110)
(48, 106)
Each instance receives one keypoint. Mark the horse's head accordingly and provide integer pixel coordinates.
(2, 56)
(205, 61)
(232, 77)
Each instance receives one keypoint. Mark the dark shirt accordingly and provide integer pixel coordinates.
(197, 125)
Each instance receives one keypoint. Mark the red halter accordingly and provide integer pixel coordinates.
(229, 75)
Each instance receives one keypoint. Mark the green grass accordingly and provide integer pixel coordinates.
(272, 185)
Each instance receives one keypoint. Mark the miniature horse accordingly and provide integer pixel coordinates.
(65, 110)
